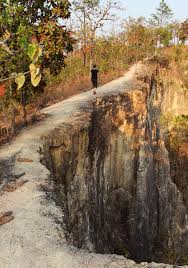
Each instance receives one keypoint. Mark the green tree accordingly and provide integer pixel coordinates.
(183, 32)
(32, 39)
(160, 21)
(91, 16)
(163, 35)
(138, 39)
(162, 16)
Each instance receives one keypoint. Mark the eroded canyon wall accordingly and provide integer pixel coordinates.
(113, 178)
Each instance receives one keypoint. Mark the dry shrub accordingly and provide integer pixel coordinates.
(162, 61)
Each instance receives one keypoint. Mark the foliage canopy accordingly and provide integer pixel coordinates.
(31, 32)
(162, 16)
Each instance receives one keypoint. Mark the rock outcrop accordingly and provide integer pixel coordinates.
(112, 178)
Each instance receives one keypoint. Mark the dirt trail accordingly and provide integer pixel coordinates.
(34, 239)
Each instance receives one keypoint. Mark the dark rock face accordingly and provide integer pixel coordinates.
(113, 179)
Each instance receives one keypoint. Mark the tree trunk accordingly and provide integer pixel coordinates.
(24, 115)
(84, 58)
(85, 41)
(13, 116)
(92, 50)
(24, 108)
(92, 57)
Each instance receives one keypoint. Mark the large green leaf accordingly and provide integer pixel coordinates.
(20, 80)
(35, 74)
(32, 67)
(35, 80)
(32, 50)
(37, 54)
(34, 70)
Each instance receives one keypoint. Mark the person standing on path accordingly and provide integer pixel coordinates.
(94, 78)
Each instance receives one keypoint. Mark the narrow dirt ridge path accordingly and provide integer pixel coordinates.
(34, 239)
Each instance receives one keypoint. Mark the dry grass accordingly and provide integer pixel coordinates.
(52, 94)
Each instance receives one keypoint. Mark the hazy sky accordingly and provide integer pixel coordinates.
(144, 8)
(136, 8)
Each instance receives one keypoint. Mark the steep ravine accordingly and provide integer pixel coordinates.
(113, 179)
(119, 185)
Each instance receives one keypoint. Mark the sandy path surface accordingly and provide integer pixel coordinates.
(34, 239)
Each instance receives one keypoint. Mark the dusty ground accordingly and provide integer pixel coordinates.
(34, 238)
